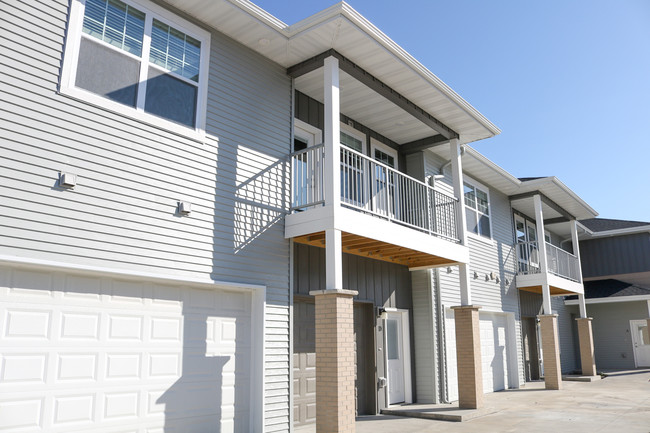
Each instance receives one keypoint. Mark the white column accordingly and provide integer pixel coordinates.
(541, 247)
(576, 252)
(333, 260)
(332, 133)
(461, 222)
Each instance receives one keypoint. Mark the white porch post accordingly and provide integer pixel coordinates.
(541, 247)
(333, 260)
(332, 132)
(461, 222)
(466, 315)
(576, 252)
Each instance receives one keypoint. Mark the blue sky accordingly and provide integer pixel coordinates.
(567, 82)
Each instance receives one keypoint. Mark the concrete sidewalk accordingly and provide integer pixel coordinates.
(618, 403)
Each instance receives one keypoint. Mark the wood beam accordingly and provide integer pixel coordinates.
(556, 220)
(422, 144)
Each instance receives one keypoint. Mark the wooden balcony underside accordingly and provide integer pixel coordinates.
(555, 291)
(378, 250)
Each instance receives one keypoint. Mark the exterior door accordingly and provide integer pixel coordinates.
(397, 358)
(306, 165)
(641, 342)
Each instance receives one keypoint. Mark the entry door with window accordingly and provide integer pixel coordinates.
(398, 358)
(383, 182)
(353, 169)
(528, 251)
(641, 342)
(306, 166)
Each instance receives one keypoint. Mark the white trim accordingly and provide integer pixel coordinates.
(616, 232)
(611, 300)
(356, 134)
(376, 144)
(71, 55)
(315, 134)
(478, 185)
(406, 354)
(100, 270)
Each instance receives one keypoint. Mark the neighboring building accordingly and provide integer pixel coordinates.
(616, 268)
(209, 214)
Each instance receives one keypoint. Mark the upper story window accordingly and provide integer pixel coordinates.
(477, 210)
(137, 59)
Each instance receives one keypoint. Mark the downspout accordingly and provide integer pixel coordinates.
(442, 353)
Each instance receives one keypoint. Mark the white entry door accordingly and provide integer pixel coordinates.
(398, 358)
(641, 342)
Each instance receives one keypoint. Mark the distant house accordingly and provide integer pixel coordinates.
(616, 269)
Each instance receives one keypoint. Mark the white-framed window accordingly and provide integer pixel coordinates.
(353, 138)
(477, 209)
(353, 175)
(383, 153)
(138, 59)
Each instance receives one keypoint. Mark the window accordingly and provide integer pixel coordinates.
(137, 59)
(477, 210)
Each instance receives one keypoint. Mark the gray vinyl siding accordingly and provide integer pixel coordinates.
(613, 347)
(122, 214)
(615, 255)
(382, 283)
(424, 336)
(487, 256)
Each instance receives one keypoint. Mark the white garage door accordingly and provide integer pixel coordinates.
(103, 355)
(493, 335)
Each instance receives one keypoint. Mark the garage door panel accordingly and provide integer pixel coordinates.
(107, 354)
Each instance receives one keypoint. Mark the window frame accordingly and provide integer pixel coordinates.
(355, 133)
(152, 11)
(378, 145)
(486, 190)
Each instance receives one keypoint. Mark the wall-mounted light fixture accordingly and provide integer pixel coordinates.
(184, 207)
(498, 280)
(381, 313)
(67, 180)
(475, 275)
(449, 270)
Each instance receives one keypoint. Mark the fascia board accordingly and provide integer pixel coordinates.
(531, 185)
(619, 232)
(611, 300)
(479, 157)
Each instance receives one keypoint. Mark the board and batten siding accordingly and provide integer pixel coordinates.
(122, 213)
(615, 255)
(487, 256)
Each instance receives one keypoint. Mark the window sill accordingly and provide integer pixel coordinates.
(197, 135)
(483, 239)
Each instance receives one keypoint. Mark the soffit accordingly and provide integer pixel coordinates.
(341, 28)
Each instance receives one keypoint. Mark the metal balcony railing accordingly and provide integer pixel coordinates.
(375, 188)
(560, 262)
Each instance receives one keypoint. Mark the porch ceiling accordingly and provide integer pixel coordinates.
(555, 291)
(343, 29)
(378, 250)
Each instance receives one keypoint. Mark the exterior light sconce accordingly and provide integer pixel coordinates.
(381, 313)
(449, 270)
(475, 275)
(497, 280)
(184, 207)
(67, 180)
(487, 277)
(492, 275)
(507, 282)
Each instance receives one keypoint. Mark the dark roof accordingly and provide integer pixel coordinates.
(525, 179)
(610, 289)
(604, 224)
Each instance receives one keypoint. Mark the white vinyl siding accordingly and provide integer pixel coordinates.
(122, 214)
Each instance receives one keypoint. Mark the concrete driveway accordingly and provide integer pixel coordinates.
(619, 403)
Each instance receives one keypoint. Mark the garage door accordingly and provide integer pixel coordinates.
(82, 353)
(493, 335)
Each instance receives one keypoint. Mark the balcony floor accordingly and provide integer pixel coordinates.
(378, 250)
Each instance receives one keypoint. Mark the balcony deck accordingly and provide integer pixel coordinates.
(383, 213)
(563, 276)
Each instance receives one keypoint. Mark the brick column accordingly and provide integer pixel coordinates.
(468, 357)
(551, 351)
(586, 338)
(335, 412)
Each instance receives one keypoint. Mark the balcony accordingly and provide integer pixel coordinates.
(383, 213)
(562, 267)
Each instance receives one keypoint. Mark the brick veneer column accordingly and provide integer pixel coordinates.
(335, 412)
(551, 351)
(586, 338)
(468, 357)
